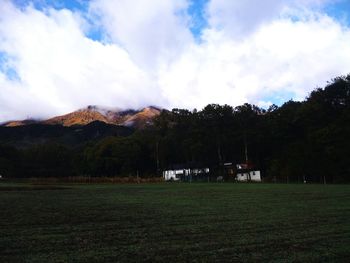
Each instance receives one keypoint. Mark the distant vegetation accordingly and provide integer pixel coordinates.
(309, 139)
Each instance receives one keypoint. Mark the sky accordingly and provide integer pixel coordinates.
(59, 56)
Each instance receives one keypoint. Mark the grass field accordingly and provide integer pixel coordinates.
(174, 223)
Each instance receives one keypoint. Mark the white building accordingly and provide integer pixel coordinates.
(186, 174)
(253, 176)
(175, 175)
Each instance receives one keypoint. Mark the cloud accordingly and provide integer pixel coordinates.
(147, 55)
(240, 18)
(153, 32)
(60, 69)
(283, 59)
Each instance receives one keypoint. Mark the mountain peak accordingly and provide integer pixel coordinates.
(132, 118)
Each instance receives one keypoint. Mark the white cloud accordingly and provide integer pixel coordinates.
(239, 18)
(60, 69)
(282, 57)
(249, 53)
(153, 32)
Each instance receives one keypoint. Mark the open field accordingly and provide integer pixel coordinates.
(174, 222)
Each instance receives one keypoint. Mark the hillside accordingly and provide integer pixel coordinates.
(131, 118)
(37, 134)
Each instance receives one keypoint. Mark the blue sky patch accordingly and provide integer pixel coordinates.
(42, 4)
(340, 10)
(279, 97)
(6, 68)
(197, 12)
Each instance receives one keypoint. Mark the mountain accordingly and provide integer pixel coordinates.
(19, 123)
(130, 118)
(141, 118)
(24, 136)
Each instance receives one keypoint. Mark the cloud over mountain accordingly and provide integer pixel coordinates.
(146, 54)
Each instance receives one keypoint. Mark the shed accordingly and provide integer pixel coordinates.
(186, 172)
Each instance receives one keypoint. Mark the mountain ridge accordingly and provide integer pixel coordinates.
(129, 117)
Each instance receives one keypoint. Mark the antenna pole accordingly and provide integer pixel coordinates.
(245, 148)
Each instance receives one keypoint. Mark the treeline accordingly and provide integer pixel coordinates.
(298, 141)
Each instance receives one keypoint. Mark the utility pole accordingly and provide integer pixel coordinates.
(157, 155)
(245, 148)
(246, 154)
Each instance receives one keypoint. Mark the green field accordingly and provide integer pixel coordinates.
(174, 223)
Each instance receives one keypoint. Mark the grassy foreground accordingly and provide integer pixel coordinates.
(175, 223)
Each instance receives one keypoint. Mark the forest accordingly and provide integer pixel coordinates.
(308, 139)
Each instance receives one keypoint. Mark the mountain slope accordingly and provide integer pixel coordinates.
(131, 118)
(142, 118)
(19, 123)
(35, 134)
